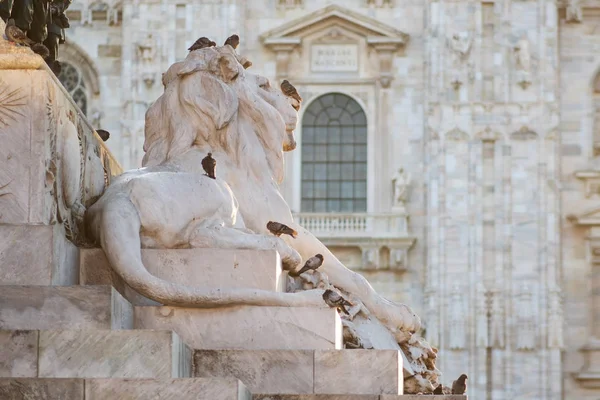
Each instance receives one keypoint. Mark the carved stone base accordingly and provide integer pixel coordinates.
(589, 376)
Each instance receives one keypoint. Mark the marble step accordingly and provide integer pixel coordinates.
(352, 397)
(94, 354)
(247, 327)
(122, 389)
(342, 372)
(63, 307)
(37, 255)
(214, 268)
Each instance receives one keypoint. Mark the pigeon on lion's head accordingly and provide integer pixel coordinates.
(211, 101)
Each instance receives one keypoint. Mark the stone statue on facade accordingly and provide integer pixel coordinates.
(573, 11)
(460, 44)
(146, 51)
(401, 182)
(522, 57)
(212, 104)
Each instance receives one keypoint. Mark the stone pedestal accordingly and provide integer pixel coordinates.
(217, 268)
(247, 327)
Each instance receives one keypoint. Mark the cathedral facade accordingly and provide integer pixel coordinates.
(449, 150)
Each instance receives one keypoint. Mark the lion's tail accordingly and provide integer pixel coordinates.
(118, 225)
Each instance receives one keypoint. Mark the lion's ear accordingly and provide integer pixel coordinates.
(229, 67)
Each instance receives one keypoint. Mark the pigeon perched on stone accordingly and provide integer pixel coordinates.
(459, 386)
(279, 229)
(438, 390)
(289, 90)
(202, 43)
(334, 300)
(312, 263)
(233, 41)
(209, 164)
(16, 35)
(41, 50)
(104, 135)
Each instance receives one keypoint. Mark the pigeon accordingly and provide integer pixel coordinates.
(233, 41)
(332, 299)
(438, 390)
(459, 386)
(279, 229)
(202, 43)
(41, 50)
(55, 67)
(289, 90)
(209, 164)
(312, 263)
(16, 35)
(104, 135)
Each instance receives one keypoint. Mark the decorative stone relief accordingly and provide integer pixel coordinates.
(290, 3)
(555, 318)
(591, 181)
(460, 44)
(522, 62)
(370, 257)
(146, 53)
(497, 319)
(11, 103)
(481, 329)
(380, 3)
(573, 11)
(525, 327)
(457, 317)
(398, 259)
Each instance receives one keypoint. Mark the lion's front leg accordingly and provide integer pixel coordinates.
(220, 236)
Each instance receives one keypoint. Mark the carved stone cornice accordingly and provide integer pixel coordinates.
(591, 180)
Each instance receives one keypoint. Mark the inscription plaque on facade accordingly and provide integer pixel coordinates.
(334, 57)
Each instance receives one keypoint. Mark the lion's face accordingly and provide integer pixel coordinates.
(286, 106)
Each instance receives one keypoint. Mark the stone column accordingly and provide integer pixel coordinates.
(283, 48)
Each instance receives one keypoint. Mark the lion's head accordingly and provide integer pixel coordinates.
(211, 101)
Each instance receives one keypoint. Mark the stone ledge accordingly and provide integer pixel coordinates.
(63, 307)
(112, 354)
(247, 327)
(37, 255)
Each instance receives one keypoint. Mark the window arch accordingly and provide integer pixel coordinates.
(73, 81)
(334, 155)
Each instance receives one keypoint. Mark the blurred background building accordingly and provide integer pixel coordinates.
(448, 149)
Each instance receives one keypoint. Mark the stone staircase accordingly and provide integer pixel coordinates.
(70, 329)
(100, 340)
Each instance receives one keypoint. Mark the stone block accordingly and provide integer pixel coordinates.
(262, 371)
(317, 397)
(63, 307)
(18, 354)
(37, 255)
(420, 397)
(41, 389)
(113, 354)
(358, 372)
(166, 389)
(247, 327)
(214, 268)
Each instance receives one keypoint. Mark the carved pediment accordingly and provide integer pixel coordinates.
(373, 30)
(335, 37)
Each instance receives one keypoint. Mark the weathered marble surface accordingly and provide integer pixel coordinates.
(18, 354)
(262, 371)
(419, 397)
(41, 389)
(247, 327)
(113, 354)
(63, 307)
(316, 397)
(215, 268)
(358, 372)
(36, 255)
(166, 389)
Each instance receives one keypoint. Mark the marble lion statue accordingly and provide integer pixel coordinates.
(212, 104)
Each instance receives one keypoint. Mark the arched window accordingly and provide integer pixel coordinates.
(73, 81)
(334, 155)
